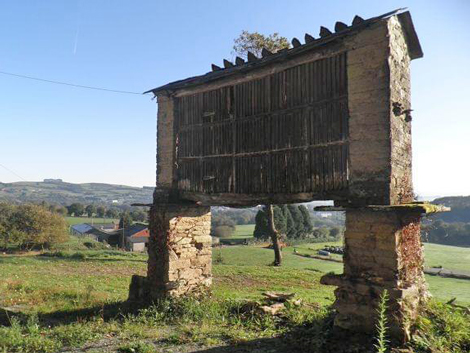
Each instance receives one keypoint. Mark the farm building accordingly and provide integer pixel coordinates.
(329, 119)
(134, 238)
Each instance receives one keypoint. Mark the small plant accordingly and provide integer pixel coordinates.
(137, 347)
(219, 258)
(382, 341)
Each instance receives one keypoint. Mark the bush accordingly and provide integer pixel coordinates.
(223, 231)
(28, 226)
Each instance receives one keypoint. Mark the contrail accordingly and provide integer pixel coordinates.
(78, 29)
(76, 39)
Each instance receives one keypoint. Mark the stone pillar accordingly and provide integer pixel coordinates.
(383, 250)
(180, 253)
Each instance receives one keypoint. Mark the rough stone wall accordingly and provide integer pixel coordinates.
(380, 140)
(401, 188)
(369, 116)
(165, 142)
(382, 251)
(179, 250)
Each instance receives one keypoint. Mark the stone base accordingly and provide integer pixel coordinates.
(180, 253)
(383, 251)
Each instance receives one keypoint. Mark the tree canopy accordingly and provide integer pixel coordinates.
(255, 42)
(27, 226)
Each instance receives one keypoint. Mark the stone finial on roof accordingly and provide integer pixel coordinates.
(251, 56)
(324, 32)
(309, 38)
(296, 43)
(357, 20)
(239, 61)
(227, 64)
(340, 26)
(265, 52)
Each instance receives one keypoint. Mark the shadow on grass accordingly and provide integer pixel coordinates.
(316, 335)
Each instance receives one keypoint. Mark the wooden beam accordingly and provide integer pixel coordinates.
(244, 200)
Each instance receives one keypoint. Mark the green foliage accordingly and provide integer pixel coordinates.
(100, 211)
(27, 226)
(307, 220)
(112, 213)
(126, 220)
(440, 232)
(76, 209)
(442, 328)
(382, 342)
(255, 42)
(261, 230)
(90, 210)
(298, 230)
(223, 231)
(139, 215)
(137, 347)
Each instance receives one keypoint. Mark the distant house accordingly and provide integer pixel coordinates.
(106, 226)
(135, 237)
(80, 229)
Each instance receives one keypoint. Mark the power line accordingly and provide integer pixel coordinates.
(12, 172)
(67, 84)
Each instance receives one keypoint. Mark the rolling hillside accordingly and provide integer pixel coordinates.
(63, 193)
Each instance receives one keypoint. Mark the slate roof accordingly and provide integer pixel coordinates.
(82, 228)
(135, 228)
(326, 36)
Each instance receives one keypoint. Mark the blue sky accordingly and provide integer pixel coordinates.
(52, 131)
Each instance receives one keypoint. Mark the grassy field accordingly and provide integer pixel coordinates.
(67, 297)
(77, 220)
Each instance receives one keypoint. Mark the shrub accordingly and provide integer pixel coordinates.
(27, 226)
(223, 231)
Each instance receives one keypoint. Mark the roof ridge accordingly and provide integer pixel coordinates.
(240, 64)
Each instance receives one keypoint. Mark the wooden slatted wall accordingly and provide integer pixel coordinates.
(283, 133)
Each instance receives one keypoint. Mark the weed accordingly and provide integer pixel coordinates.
(382, 328)
(442, 328)
(137, 347)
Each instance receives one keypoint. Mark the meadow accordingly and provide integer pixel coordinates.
(76, 220)
(76, 297)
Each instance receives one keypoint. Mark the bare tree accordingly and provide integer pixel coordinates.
(274, 235)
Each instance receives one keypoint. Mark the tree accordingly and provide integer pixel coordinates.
(139, 215)
(274, 235)
(306, 219)
(299, 230)
(100, 211)
(254, 42)
(76, 209)
(112, 213)
(291, 229)
(262, 230)
(27, 226)
(261, 225)
(125, 221)
(90, 210)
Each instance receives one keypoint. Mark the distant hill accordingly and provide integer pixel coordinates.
(58, 192)
(460, 208)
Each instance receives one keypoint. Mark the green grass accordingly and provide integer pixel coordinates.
(449, 257)
(73, 279)
(244, 231)
(77, 220)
